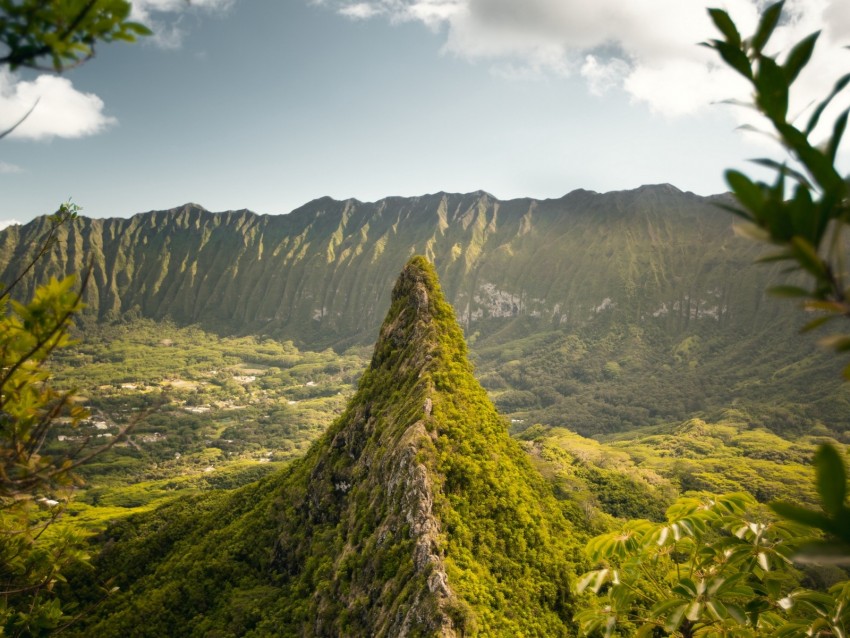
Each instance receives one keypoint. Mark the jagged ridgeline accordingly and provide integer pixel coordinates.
(321, 274)
(414, 515)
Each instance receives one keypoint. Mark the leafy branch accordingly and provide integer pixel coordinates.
(63, 31)
(807, 226)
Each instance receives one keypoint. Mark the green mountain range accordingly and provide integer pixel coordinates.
(321, 274)
(599, 312)
(416, 514)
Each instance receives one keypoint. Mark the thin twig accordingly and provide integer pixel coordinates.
(19, 122)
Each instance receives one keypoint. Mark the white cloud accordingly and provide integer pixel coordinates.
(837, 20)
(142, 9)
(360, 10)
(646, 47)
(163, 17)
(5, 223)
(60, 109)
(603, 75)
(9, 169)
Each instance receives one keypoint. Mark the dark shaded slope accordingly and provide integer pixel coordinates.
(415, 515)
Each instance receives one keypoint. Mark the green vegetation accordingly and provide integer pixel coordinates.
(639, 474)
(236, 507)
(415, 511)
(718, 566)
(247, 397)
(566, 379)
(808, 227)
(62, 31)
(34, 323)
(219, 412)
(31, 560)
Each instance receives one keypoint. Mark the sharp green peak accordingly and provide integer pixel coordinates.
(414, 515)
(420, 328)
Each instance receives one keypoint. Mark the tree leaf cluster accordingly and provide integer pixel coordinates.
(807, 226)
(717, 566)
(58, 34)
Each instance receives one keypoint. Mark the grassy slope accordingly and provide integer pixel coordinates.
(240, 427)
(297, 554)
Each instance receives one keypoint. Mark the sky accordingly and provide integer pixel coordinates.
(268, 104)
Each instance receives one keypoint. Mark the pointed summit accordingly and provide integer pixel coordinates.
(415, 515)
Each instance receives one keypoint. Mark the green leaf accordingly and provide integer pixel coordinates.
(819, 166)
(138, 28)
(807, 257)
(726, 26)
(746, 191)
(734, 210)
(751, 231)
(733, 56)
(694, 611)
(686, 587)
(722, 586)
(661, 608)
(839, 343)
(800, 56)
(768, 22)
(831, 479)
(716, 609)
(824, 306)
(773, 587)
(622, 597)
(674, 618)
(816, 114)
(807, 217)
(784, 169)
(645, 631)
(771, 89)
(594, 580)
(798, 514)
(837, 133)
(737, 614)
(783, 255)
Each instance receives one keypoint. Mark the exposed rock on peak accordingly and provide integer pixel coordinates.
(416, 426)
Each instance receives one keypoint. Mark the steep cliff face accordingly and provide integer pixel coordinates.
(320, 275)
(415, 515)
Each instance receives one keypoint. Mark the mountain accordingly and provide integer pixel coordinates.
(321, 274)
(415, 514)
(599, 312)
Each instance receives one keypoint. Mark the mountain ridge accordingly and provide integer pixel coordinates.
(574, 308)
(153, 264)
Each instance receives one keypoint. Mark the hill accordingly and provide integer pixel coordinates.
(415, 514)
